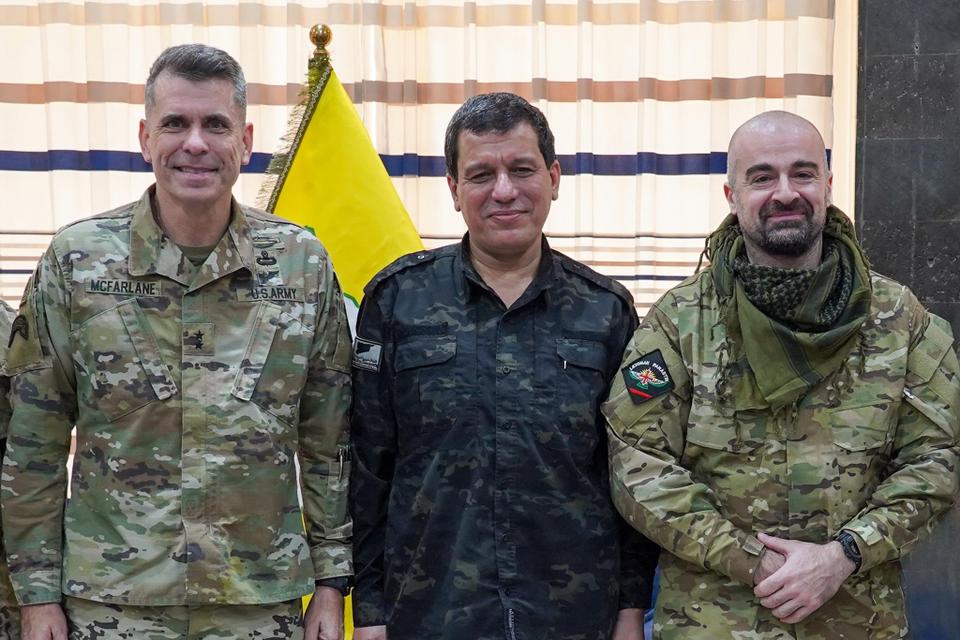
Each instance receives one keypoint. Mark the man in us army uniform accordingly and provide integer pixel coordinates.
(479, 491)
(785, 423)
(201, 348)
(9, 615)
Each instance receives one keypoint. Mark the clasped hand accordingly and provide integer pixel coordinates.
(795, 578)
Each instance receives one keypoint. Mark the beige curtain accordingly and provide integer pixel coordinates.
(642, 96)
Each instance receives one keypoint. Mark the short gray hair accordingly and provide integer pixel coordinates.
(197, 62)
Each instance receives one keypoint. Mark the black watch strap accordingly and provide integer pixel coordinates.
(850, 548)
(341, 584)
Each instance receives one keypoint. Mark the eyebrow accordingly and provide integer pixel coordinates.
(764, 166)
(213, 117)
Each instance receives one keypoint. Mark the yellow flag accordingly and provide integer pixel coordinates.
(331, 180)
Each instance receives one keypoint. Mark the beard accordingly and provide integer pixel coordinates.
(788, 238)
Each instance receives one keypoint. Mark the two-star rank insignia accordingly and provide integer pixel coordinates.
(647, 377)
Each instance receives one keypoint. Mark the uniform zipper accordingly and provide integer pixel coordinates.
(511, 625)
(341, 458)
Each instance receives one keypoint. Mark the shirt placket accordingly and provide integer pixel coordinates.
(196, 481)
(518, 335)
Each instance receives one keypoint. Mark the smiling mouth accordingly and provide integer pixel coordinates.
(195, 170)
(786, 214)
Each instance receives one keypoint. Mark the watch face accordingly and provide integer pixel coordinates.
(850, 549)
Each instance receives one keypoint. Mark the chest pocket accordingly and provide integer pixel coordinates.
(863, 437)
(580, 384)
(723, 446)
(736, 426)
(428, 393)
(274, 367)
(118, 356)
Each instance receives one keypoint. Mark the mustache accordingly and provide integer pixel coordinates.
(774, 207)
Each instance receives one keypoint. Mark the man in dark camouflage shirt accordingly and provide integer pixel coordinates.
(479, 489)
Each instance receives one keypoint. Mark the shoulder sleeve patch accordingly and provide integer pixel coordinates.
(19, 327)
(647, 377)
(24, 351)
(367, 354)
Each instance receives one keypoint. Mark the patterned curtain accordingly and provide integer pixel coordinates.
(642, 96)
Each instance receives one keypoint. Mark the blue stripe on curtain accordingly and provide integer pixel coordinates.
(408, 164)
(94, 160)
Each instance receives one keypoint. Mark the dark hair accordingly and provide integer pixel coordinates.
(198, 62)
(497, 113)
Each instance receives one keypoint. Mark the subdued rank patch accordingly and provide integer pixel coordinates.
(145, 289)
(19, 326)
(366, 354)
(647, 377)
(286, 294)
(198, 339)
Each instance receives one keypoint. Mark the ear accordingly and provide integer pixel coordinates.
(452, 185)
(728, 194)
(828, 199)
(247, 143)
(555, 179)
(144, 135)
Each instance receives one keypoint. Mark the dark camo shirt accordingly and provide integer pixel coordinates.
(479, 488)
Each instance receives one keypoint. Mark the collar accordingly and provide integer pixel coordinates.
(153, 252)
(470, 283)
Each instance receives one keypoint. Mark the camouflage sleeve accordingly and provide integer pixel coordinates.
(638, 555)
(6, 319)
(34, 483)
(650, 488)
(324, 434)
(922, 475)
(374, 452)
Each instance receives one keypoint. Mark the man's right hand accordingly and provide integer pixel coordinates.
(370, 633)
(43, 622)
(770, 562)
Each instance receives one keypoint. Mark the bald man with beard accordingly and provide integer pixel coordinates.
(785, 421)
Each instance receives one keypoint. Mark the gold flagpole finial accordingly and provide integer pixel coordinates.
(320, 36)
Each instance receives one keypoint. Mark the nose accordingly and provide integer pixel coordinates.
(785, 192)
(503, 188)
(195, 143)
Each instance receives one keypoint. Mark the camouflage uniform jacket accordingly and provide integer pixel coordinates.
(479, 492)
(193, 391)
(872, 449)
(6, 319)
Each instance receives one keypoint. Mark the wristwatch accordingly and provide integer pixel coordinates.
(850, 548)
(341, 584)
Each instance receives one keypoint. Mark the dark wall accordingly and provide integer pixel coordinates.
(908, 216)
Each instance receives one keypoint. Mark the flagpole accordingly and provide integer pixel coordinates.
(318, 72)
